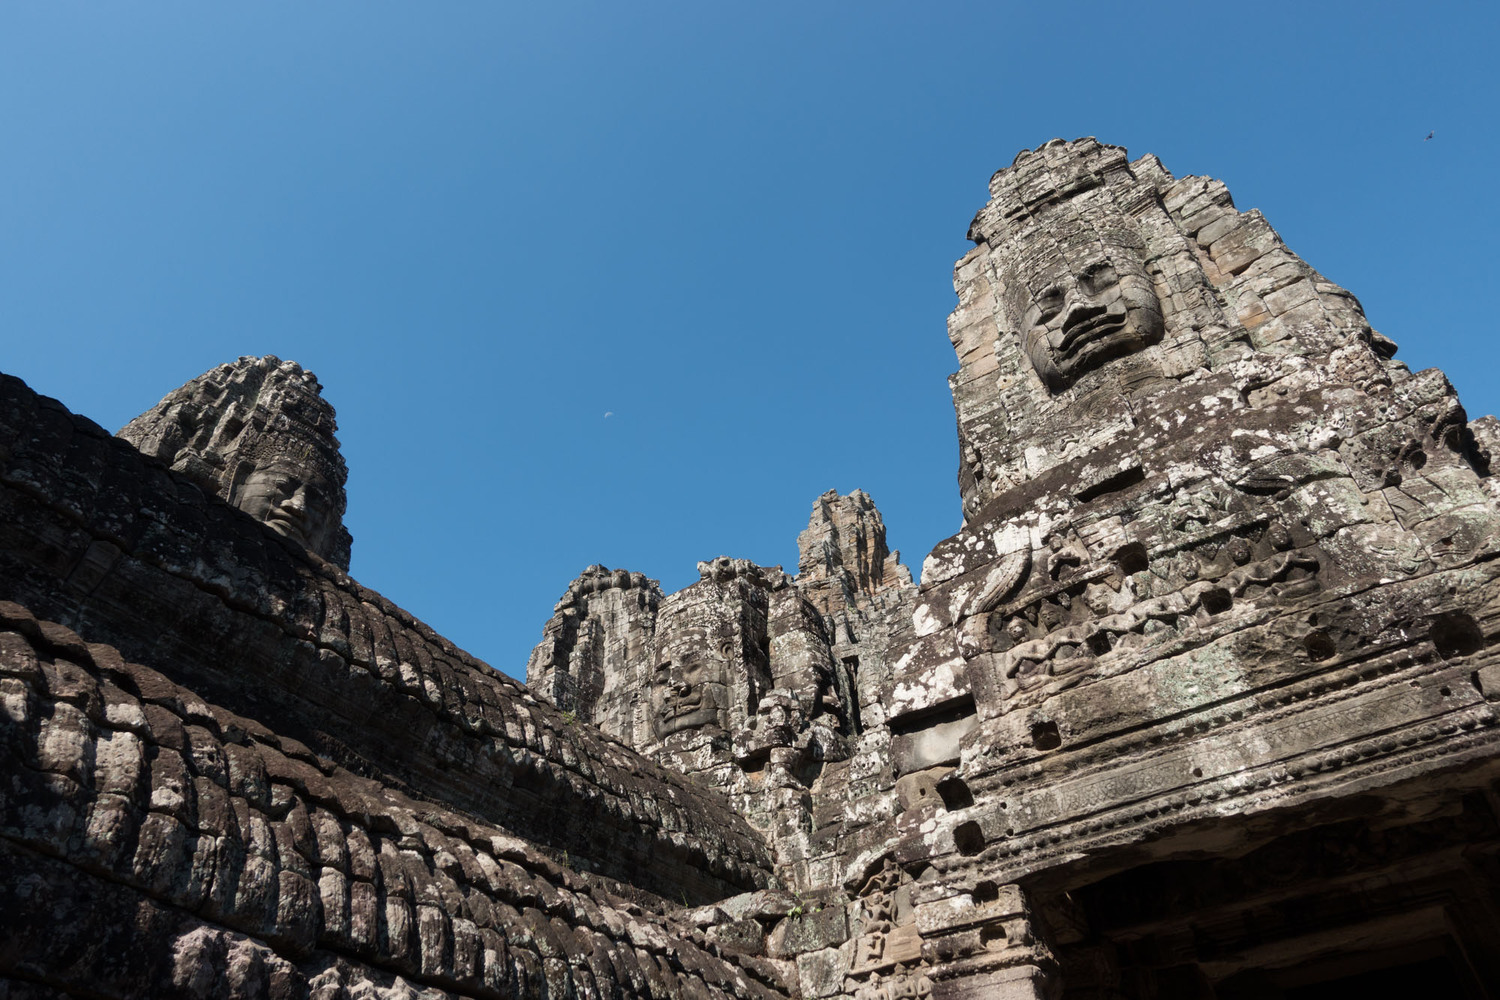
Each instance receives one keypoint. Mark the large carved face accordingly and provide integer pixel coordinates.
(1079, 312)
(687, 686)
(296, 502)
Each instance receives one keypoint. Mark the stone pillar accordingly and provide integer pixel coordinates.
(1021, 982)
(984, 944)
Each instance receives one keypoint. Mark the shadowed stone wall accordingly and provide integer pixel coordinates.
(184, 851)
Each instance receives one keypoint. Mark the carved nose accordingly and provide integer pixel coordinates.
(1081, 313)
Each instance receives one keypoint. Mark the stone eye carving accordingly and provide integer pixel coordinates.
(1049, 303)
(1098, 279)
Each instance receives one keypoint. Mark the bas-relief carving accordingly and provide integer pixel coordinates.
(1060, 635)
(887, 936)
(1076, 609)
(904, 948)
(899, 986)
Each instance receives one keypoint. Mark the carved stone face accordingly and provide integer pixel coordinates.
(1080, 315)
(294, 501)
(687, 686)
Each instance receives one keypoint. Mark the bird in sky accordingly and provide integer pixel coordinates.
(1430, 135)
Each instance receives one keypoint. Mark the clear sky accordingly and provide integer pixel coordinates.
(633, 283)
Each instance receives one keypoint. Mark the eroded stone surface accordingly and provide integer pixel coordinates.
(1218, 555)
(753, 681)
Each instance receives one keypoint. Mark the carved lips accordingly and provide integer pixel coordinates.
(1096, 332)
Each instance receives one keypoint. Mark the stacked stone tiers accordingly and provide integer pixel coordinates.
(180, 849)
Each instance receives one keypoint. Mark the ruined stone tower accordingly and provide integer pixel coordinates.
(1198, 702)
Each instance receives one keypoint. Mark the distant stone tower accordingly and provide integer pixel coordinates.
(759, 684)
(592, 660)
(259, 434)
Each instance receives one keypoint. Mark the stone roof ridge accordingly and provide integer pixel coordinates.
(345, 644)
(724, 569)
(523, 900)
(598, 578)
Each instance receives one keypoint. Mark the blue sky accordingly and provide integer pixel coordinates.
(634, 283)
